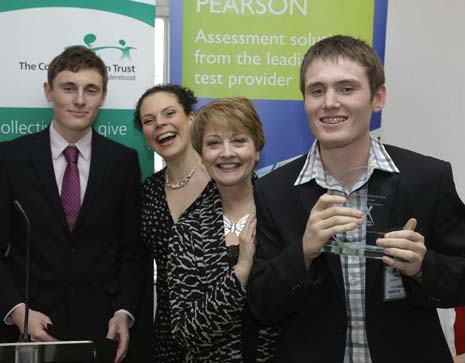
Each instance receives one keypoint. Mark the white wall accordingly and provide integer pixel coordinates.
(425, 79)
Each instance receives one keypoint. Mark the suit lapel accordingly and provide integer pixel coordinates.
(99, 166)
(308, 195)
(41, 155)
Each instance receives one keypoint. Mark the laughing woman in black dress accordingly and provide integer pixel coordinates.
(164, 114)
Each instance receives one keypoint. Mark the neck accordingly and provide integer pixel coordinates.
(340, 160)
(70, 136)
(237, 200)
(179, 167)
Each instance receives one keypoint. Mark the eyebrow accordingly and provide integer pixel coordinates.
(152, 114)
(342, 81)
(92, 85)
(235, 134)
(167, 108)
(61, 84)
(66, 84)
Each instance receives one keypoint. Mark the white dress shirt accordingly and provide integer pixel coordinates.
(58, 144)
(447, 319)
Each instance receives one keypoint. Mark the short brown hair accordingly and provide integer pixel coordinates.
(343, 46)
(74, 59)
(234, 113)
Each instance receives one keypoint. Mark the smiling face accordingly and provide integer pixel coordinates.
(76, 98)
(165, 125)
(339, 104)
(229, 156)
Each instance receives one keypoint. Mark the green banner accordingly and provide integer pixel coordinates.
(254, 49)
(139, 11)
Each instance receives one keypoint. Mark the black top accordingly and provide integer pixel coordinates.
(208, 304)
(156, 223)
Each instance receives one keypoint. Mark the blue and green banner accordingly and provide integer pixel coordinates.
(223, 48)
(121, 32)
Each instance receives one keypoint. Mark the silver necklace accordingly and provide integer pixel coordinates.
(183, 182)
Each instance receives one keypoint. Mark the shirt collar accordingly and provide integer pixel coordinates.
(313, 167)
(58, 143)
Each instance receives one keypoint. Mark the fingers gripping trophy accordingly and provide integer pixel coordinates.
(375, 219)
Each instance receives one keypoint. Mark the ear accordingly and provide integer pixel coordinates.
(257, 156)
(379, 99)
(103, 99)
(48, 92)
(190, 118)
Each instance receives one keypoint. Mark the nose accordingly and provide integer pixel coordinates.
(331, 100)
(159, 122)
(80, 99)
(227, 150)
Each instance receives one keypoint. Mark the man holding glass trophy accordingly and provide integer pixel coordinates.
(358, 242)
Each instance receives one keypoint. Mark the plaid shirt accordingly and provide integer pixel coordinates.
(353, 267)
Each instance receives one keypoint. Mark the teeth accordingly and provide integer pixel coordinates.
(166, 135)
(332, 120)
(228, 166)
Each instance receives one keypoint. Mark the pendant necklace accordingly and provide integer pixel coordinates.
(236, 228)
(183, 182)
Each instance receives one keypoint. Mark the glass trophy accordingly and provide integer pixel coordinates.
(353, 249)
(348, 243)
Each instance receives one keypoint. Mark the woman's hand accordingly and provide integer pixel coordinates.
(246, 250)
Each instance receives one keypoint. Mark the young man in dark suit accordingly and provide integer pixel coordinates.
(340, 307)
(81, 194)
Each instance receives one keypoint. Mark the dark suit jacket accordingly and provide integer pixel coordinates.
(78, 278)
(310, 305)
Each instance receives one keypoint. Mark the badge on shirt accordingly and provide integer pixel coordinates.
(393, 286)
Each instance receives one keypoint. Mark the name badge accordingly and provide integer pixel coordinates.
(393, 286)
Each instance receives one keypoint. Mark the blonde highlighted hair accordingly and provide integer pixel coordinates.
(236, 114)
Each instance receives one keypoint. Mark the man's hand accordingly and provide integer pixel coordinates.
(327, 218)
(118, 329)
(36, 326)
(459, 358)
(404, 249)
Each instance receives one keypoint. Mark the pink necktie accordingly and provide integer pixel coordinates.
(459, 328)
(71, 188)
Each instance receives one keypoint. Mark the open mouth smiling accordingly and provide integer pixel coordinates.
(166, 137)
